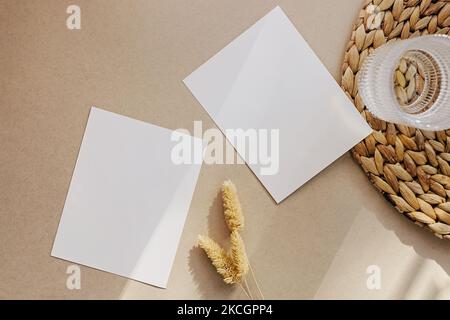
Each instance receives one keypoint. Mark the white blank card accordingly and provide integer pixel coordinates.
(269, 78)
(127, 200)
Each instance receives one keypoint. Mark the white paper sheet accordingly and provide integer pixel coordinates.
(127, 201)
(269, 78)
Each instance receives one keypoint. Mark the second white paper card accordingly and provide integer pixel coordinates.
(269, 83)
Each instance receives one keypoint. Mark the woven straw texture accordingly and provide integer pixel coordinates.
(409, 166)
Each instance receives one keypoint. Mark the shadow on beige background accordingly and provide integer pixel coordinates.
(413, 262)
(425, 245)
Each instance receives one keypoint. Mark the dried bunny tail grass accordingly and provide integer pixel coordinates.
(232, 207)
(238, 255)
(220, 259)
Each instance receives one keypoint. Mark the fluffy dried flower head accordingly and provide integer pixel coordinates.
(220, 259)
(232, 207)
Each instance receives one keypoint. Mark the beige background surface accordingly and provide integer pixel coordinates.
(130, 58)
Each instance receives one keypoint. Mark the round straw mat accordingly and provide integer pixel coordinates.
(409, 166)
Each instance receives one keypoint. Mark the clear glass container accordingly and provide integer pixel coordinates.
(407, 82)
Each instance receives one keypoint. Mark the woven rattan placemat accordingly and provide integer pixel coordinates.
(409, 166)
